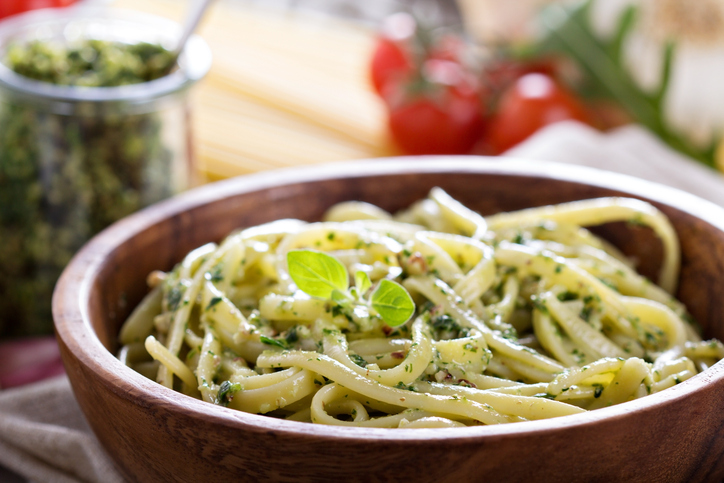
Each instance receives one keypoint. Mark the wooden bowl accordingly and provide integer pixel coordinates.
(155, 434)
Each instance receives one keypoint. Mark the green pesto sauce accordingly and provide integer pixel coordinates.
(64, 177)
(90, 63)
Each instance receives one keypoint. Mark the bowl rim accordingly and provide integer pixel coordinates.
(73, 327)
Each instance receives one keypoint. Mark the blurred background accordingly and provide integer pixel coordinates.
(299, 72)
(305, 82)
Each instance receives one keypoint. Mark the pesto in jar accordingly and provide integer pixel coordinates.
(64, 176)
(91, 63)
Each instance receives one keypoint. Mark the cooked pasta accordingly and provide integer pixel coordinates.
(518, 316)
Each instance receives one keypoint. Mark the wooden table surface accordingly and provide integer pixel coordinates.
(286, 88)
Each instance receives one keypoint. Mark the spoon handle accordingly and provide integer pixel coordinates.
(193, 17)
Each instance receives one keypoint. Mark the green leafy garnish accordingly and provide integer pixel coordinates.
(292, 335)
(406, 387)
(567, 295)
(339, 297)
(323, 276)
(226, 392)
(362, 282)
(174, 296)
(282, 344)
(392, 302)
(316, 273)
(215, 274)
(359, 360)
(445, 323)
(213, 302)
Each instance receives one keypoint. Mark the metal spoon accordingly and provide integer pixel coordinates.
(193, 17)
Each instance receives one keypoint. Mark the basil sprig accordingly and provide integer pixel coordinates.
(323, 276)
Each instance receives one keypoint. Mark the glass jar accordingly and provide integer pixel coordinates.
(75, 159)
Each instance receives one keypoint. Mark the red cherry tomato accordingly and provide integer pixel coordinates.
(389, 61)
(533, 101)
(12, 7)
(448, 47)
(444, 116)
(391, 58)
(499, 75)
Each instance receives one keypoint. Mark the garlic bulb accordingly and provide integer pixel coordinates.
(495, 22)
(694, 101)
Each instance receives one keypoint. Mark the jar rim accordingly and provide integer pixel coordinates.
(194, 62)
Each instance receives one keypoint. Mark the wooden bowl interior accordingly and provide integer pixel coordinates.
(121, 281)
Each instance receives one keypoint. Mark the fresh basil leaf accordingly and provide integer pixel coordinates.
(339, 297)
(362, 282)
(316, 273)
(392, 302)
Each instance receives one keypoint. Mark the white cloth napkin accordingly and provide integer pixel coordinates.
(629, 150)
(44, 437)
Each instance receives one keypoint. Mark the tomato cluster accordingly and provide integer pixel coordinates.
(437, 104)
(12, 7)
